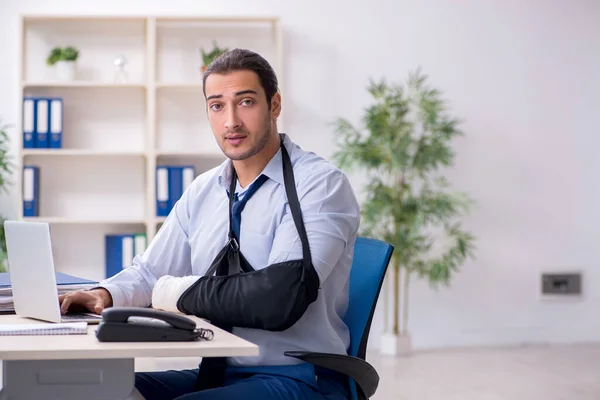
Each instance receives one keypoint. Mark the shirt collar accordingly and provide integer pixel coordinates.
(273, 170)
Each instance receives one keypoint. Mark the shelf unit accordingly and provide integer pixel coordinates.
(102, 180)
(82, 84)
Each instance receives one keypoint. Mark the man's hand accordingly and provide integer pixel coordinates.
(85, 301)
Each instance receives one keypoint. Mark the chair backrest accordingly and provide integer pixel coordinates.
(371, 259)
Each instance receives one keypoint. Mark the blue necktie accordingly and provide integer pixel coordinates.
(238, 205)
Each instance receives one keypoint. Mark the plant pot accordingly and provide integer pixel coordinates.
(395, 345)
(65, 70)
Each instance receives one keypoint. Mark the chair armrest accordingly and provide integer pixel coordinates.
(362, 372)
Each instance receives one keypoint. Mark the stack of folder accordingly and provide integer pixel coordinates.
(42, 122)
(171, 182)
(64, 282)
(42, 129)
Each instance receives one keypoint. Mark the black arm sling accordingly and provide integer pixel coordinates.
(272, 298)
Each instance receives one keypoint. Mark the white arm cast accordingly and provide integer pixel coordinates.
(168, 289)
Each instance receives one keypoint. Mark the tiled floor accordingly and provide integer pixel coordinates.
(525, 373)
(528, 373)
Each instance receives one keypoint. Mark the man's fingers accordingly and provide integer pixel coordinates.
(98, 307)
(64, 307)
(80, 301)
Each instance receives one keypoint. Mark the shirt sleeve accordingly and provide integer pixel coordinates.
(167, 254)
(331, 216)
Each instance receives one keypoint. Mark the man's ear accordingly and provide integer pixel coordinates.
(275, 105)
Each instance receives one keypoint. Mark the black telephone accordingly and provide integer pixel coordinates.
(136, 324)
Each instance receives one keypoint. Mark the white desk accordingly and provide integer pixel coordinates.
(80, 367)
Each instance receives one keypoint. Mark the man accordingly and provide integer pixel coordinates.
(243, 104)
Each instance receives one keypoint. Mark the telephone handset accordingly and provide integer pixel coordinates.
(136, 324)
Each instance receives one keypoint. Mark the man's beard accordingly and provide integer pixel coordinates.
(257, 147)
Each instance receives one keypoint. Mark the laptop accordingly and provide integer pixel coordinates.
(31, 267)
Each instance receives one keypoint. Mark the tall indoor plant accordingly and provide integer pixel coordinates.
(403, 148)
(6, 169)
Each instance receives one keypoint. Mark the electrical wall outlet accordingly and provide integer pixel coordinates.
(561, 284)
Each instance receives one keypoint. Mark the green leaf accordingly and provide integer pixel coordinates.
(69, 53)
(209, 56)
(54, 56)
(6, 169)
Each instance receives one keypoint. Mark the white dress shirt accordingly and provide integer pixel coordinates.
(197, 229)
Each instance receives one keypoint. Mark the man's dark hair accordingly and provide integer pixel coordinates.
(241, 59)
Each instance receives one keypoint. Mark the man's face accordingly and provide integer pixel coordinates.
(238, 113)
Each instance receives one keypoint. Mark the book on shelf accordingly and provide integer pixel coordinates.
(120, 251)
(55, 123)
(31, 191)
(28, 123)
(42, 122)
(171, 182)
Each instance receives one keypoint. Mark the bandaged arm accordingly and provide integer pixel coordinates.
(331, 217)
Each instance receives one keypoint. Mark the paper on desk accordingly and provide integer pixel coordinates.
(67, 328)
(6, 303)
(7, 291)
(6, 298)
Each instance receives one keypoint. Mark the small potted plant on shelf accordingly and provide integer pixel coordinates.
(6, 169)
(65, 60)
(208, 57)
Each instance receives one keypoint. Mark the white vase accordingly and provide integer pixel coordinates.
(65, 70)
(395, 345)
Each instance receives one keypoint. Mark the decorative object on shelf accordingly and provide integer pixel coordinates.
(121, 75)
(65, 61)
(6, 170)
(405, 146)
(208, 57)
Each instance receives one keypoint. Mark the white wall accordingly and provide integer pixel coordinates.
(525, 78)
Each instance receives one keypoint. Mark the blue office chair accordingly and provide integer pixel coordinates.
(371, 259)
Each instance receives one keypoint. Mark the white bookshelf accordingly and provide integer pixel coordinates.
(88, 221)
(83, 84)
(79, 152)
(102, 180)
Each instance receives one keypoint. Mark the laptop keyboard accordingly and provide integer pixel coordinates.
(77, 316)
